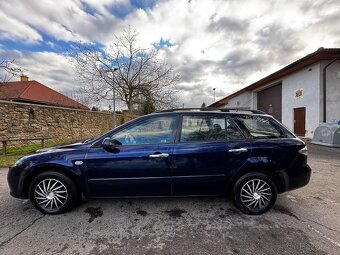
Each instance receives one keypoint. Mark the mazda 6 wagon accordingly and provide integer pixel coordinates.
(246, 154)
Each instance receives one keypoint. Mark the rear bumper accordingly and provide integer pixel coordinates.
(294, 178)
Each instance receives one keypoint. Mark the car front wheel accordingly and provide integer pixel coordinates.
(254, 193)
(53, 193)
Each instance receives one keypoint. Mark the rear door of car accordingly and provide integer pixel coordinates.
(272, 144)
(209, 146)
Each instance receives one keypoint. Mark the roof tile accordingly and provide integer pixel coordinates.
(36, 92)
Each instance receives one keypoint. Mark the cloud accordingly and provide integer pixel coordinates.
(229, 25)
(12, 29)
(49, 68)
(213, 43)
(62, 20)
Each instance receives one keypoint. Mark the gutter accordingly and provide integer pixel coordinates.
(324, 89)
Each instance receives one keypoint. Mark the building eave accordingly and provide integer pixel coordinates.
(317, 56)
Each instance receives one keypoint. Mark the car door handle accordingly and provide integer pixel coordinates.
(159, 155)
(238, 150)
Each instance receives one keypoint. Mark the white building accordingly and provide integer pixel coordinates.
(300, 95)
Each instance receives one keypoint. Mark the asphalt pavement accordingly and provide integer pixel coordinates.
(303, 221)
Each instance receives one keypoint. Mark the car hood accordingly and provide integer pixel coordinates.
(62, 147)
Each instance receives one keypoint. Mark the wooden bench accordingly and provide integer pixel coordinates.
(4, 142)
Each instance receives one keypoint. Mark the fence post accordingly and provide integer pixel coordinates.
(42, 143)
(4, 147)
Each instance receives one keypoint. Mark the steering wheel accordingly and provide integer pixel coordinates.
(129, 139)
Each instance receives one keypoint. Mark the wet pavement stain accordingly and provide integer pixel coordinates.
(175, 213)
(142, 213)
(232, 211)
(193, 240)
(66, 246)
(94, 213)
(284, 210)
(24, 209)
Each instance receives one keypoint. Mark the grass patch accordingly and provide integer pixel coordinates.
(14, 153)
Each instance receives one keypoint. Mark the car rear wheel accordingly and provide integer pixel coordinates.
(254, 193)
(53, 193)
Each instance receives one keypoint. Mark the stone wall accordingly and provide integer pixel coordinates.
(23, 120)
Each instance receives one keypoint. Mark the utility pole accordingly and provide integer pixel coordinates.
(214, 93)
(114, 97)
(113, 93)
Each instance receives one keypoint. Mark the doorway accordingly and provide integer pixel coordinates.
(300, 121)
(270, 101)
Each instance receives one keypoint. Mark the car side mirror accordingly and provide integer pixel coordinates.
(109, 143)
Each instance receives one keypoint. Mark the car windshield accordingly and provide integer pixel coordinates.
(88, 140)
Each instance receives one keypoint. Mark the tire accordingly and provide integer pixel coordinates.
(254, 193)
(53, 193)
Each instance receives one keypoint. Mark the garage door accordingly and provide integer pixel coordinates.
(270, 101)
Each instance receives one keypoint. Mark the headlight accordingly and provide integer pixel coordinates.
(23, 163)
(42, 150)
(18, 163)
(304, 151)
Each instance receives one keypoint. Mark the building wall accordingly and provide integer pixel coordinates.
(308, 80)
(22, 120)
(243, 100)
(332, 91)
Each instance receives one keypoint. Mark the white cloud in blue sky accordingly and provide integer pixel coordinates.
(222, 44)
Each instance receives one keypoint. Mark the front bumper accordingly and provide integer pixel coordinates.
(15, 178)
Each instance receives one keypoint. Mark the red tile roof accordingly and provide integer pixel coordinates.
(35, 92)
(320, 54)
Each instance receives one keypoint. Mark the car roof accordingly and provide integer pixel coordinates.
(212, 111)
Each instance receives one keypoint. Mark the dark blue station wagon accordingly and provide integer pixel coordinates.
(246, 154)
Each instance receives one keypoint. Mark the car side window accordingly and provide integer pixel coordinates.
(202, 128)
(259, 126)
(232, 132)
(150, 131)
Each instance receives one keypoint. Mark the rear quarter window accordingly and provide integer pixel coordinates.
(261, 127)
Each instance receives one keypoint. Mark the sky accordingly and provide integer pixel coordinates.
(222, 44)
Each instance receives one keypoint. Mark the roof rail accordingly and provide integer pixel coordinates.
(242, 109)
(239, 109)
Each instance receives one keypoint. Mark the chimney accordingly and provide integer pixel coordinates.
(23, 78)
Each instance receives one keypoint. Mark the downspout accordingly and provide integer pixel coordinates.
(325, 89)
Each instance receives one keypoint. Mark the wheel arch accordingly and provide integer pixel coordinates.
(264, 170)
(43, 169)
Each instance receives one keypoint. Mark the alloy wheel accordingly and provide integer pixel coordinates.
(51, 194)
(256, 194)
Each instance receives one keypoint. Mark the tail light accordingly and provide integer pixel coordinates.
(304, 151)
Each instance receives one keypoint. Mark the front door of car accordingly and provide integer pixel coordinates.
(209, 149)
(138, 164)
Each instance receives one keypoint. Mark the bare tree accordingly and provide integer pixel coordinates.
(81, 97)
(8, 69)
(132, 71)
